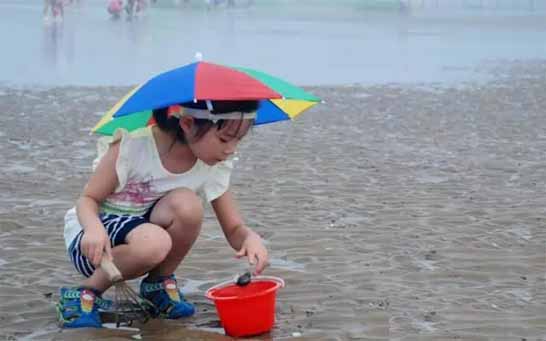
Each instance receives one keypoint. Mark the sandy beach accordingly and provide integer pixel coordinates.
(393, 212)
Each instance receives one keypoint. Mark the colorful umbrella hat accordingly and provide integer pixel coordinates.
(279, 100)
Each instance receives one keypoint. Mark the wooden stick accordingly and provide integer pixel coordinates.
(111, 270)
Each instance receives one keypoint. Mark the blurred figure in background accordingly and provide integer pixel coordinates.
(135, 7)
(56, 8)
(404, 5)
(177, 2)
(228, 3)
(47, 7)
(214, 3)
(115, 7)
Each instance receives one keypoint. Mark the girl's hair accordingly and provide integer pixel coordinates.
(171, 124)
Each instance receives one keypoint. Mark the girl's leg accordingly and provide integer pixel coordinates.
(147, 246)
(181, 214)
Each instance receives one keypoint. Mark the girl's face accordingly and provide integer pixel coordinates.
(217, 145)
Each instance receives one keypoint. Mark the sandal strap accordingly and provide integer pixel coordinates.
(71, 297)
(158, 284)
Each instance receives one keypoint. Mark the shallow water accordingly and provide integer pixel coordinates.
(307, 42)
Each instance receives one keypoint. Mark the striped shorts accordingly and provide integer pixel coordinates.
(117, 226)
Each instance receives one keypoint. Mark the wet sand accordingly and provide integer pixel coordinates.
(396, 212)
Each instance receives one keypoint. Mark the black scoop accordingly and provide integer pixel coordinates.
(244, 279)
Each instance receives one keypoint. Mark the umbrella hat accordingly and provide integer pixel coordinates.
(279, 100)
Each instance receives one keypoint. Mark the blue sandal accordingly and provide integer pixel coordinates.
(167, 298)
(79, 308)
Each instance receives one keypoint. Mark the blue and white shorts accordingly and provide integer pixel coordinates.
(118, 226)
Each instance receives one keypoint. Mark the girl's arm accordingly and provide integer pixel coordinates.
(240, 237)
(102, 183)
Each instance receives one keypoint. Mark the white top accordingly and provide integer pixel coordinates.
(143, 180)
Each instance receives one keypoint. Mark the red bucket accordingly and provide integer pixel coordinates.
(246, 310)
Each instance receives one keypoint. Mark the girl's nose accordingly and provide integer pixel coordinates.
(230, 149)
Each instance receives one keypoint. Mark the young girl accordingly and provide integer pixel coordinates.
(142, 206)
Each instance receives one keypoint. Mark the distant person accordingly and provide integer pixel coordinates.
(130, 7)
(178, 2)
(229, 3)
(47, 8)
(142, 207)
(213, 3)
(404, 5)
(135, 7)
(55, 8)
(115, 7)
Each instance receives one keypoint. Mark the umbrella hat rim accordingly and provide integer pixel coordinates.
(191, 82)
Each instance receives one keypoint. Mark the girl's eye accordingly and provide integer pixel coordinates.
(223, 140)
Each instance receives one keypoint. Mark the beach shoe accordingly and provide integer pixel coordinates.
(79, 308)
(167, 298)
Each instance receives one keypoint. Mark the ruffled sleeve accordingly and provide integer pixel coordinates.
(218, 180)
(123, 162)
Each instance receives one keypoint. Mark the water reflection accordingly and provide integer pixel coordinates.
(52, 36)
(58, 48)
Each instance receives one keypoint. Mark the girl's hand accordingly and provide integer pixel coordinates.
(95, 243)
(256, 252)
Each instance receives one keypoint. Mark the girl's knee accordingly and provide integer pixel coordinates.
(187, 207)
(152, 244)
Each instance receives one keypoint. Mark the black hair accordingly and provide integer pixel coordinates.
(171, 124)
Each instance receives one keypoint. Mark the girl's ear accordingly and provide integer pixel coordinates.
(186, 124)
